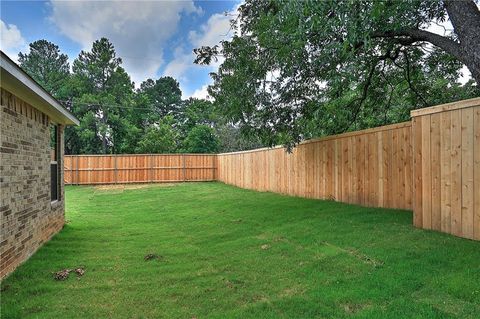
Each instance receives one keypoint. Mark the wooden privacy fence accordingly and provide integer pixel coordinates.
(446, 148)
(371, 167)
(112, 169)
(430, 164)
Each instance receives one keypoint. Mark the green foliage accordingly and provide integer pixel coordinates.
(47, 66)
(231, 139)
(159, 138)
(101, 85)
(201, 139)
(301, 69)
(115, 118)
(321, 260)
(197, 112)
(163, 96)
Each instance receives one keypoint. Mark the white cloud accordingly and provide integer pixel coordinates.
(11, 41)
(139, 30)
(211, 33)
(202, 93)
(216, 29)
(178, 67)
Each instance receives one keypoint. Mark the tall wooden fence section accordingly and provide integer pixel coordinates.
(430, 164)
(112, 169)
(371, 167)
(446, 146)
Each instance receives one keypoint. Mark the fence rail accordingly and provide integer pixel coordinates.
(133, 168)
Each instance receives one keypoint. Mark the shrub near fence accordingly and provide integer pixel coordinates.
(146, 168)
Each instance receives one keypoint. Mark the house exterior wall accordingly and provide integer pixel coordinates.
(28, 218)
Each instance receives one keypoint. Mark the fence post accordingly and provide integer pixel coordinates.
(115, 171)
(215, 167)
(78, 170)
(71, 170)
(150, 171)
(184, 175)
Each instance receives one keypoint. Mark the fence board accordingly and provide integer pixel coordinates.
(467, 172)
(456, 167)
(446, 172)
(476, 172)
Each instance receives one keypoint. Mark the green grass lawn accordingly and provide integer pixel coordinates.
(233, 253)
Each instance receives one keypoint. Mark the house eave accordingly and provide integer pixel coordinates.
(16, 81)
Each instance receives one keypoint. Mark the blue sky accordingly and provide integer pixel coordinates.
(154, 38)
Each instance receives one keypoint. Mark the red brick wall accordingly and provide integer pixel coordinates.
(27, 216)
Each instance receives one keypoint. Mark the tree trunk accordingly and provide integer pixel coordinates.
(465, 18)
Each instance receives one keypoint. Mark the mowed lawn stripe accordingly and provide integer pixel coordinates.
(225, 252)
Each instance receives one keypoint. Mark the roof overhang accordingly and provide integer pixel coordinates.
(19, 83)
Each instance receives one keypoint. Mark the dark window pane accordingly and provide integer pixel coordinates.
(53, 142)
(54, 181)
(55, 160)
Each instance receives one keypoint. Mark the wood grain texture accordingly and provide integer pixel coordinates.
(366, 167)
(417, 172)
(147, 168)
(447, 143)
(476, 173)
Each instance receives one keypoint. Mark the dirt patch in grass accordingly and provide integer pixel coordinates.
(122, 187)
(357, 254)
(149, 257)
(65, 273)
(234, 283)
(352, 308)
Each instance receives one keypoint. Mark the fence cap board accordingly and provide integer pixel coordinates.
(446, 107)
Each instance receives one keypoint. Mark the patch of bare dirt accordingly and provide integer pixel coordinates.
(233, 283)
(122, 187)
(149, 257)
(294, 290)
(65, 273)
(357, 254)
(354, 308)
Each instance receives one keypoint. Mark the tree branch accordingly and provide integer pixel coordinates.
(409, 81)
(410, 36)
(362, 98)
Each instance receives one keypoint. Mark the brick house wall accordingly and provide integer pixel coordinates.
(28, 218)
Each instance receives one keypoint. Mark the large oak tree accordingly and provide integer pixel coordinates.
(297, 69)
